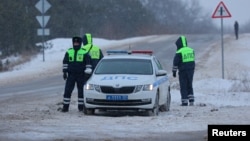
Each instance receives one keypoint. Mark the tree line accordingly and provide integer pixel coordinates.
(111, 19)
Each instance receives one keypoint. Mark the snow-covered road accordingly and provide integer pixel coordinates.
(218, 101)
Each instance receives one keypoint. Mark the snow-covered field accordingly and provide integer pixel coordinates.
(218, 101)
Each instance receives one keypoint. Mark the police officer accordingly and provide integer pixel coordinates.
(184, 62)
(94, 51)
(75, 62)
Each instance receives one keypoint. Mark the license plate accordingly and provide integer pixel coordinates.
(117, 97)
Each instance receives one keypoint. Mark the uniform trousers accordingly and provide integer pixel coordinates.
(73, 79)
(186, 86)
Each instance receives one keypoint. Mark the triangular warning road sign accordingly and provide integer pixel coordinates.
(221, 11)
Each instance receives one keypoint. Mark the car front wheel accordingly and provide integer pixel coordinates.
(166, 106)
(89, 111)
(155, 110)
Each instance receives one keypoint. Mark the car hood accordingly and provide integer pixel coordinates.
(121, 80)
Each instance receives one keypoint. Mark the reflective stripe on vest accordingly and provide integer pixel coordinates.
(79, 55)
(187, 54)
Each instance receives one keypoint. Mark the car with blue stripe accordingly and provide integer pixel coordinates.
(128, 80)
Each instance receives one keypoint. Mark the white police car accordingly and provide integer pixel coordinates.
(125, 80)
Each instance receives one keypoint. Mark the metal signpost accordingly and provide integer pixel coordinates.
(43, 6)
(221, 12)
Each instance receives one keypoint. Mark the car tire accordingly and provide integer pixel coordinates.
(168, 100)
(166, 106)
(89, 111)
(155, 110)
(156, 107)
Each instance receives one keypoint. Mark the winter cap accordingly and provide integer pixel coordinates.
(77, 39)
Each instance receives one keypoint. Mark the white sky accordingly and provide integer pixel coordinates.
(209, 89)
(239, 10)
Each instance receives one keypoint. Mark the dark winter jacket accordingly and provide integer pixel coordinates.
(184, 58)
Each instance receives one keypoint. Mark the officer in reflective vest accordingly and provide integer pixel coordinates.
(94, 51)
(184, 63)
(75, 62)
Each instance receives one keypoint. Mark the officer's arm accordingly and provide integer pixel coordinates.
(65, 62)
(176, 62)
(88, 64)
(88, 60)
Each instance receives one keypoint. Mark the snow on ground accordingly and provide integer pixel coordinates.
(218, 101)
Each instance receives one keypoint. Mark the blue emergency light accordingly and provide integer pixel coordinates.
(117, 52)
(149, 52)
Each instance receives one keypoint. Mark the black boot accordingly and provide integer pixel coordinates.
(191, 103)
(80, 108)
(65, 108)
(184, 104)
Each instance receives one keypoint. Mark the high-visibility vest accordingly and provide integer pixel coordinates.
(79, 56)
(94, 51)
(187, 54)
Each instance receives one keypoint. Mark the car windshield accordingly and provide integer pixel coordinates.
(125, 66)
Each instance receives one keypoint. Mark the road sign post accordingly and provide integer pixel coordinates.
(221, 12)
(43, 6)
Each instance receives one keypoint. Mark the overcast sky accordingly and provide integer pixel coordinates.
(238, 9)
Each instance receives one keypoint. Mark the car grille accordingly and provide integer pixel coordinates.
(122, 90)
(119, 102)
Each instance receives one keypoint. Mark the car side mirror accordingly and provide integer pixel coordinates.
(161, 73)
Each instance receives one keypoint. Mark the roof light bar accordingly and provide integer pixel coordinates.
(117, 52)
(109, 52)
(143, 51)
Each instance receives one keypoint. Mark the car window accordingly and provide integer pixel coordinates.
(125, 66)
(159, 66)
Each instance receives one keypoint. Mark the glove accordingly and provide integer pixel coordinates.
(174, 74)
(65, 76)
(88, 70)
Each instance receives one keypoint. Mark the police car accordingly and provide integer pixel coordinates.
(128, 80)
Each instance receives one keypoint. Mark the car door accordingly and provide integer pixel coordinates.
(162, 80)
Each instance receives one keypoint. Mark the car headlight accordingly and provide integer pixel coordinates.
(89, 87)
(148, 87)
(138, 88)
(93, 87)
